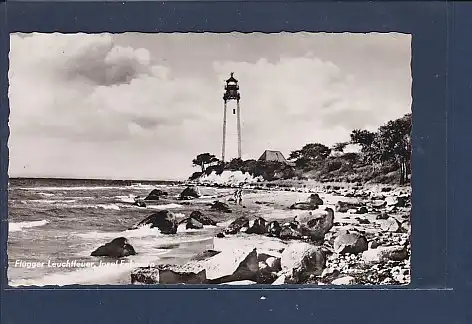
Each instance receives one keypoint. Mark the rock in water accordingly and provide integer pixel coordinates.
(302, 260)
(193, 224)
(350, 243)
(163, 219)
(139, 203)
(315, 199)
(362, 210)
(155, 194)
(205, 220)
(390, 225)
(257, 226)
(221, 207)
(190, 193)
(303, 206)
(237, 225)
(117, 248)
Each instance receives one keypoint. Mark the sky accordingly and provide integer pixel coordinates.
(142, 106)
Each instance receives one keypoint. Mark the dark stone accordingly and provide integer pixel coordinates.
(362, 210)
(139, 203)
(205, 220)
(193, 224)
(220, 235)
(163, 219)
(289, 233)
(382, 216)
(237, 225)
(350, 243)
(190, 193)
(117, 248)
(155, 194)
(274, 228)
(221, 207)
(315, 199)
(303, 206)
(258, 227)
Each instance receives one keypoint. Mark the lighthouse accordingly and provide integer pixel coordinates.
(231, 93)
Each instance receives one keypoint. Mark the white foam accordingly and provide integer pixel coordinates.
(71, 188)
(126, 199)
(16, 227)
(166, 206)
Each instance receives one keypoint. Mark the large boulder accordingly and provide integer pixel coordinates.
(220, 207)
(385, 253)
(290, 233)
(254, 267)
(205, 220)
(301, 260)
(350, 242)
(191, 273)
(117, 248)
(193, 224)
(315, 199)
(239, 224)
(164, 220)
(322, 222)
(190, 193)
(257, 226)
(155, 194)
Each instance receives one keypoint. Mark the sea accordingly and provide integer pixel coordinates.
(54, 225)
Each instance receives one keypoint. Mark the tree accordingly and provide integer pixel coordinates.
(204, 159)
(339, 147)
(309, 154)
(394, 144)
(364, 138)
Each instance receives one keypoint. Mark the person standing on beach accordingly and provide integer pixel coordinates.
(240, 196)
(235, 196)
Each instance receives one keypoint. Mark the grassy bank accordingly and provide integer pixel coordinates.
(347, 168)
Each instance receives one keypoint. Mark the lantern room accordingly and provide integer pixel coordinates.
(231, 89)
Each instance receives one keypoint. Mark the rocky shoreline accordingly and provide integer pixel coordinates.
(363, 238)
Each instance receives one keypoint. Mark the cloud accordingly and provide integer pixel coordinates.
(99, 106)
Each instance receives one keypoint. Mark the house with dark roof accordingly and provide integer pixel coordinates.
(276, 156)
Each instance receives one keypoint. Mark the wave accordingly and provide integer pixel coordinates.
(166, 206)
(17, 227)
(70, 188)
(126, 199)
(48, 201)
